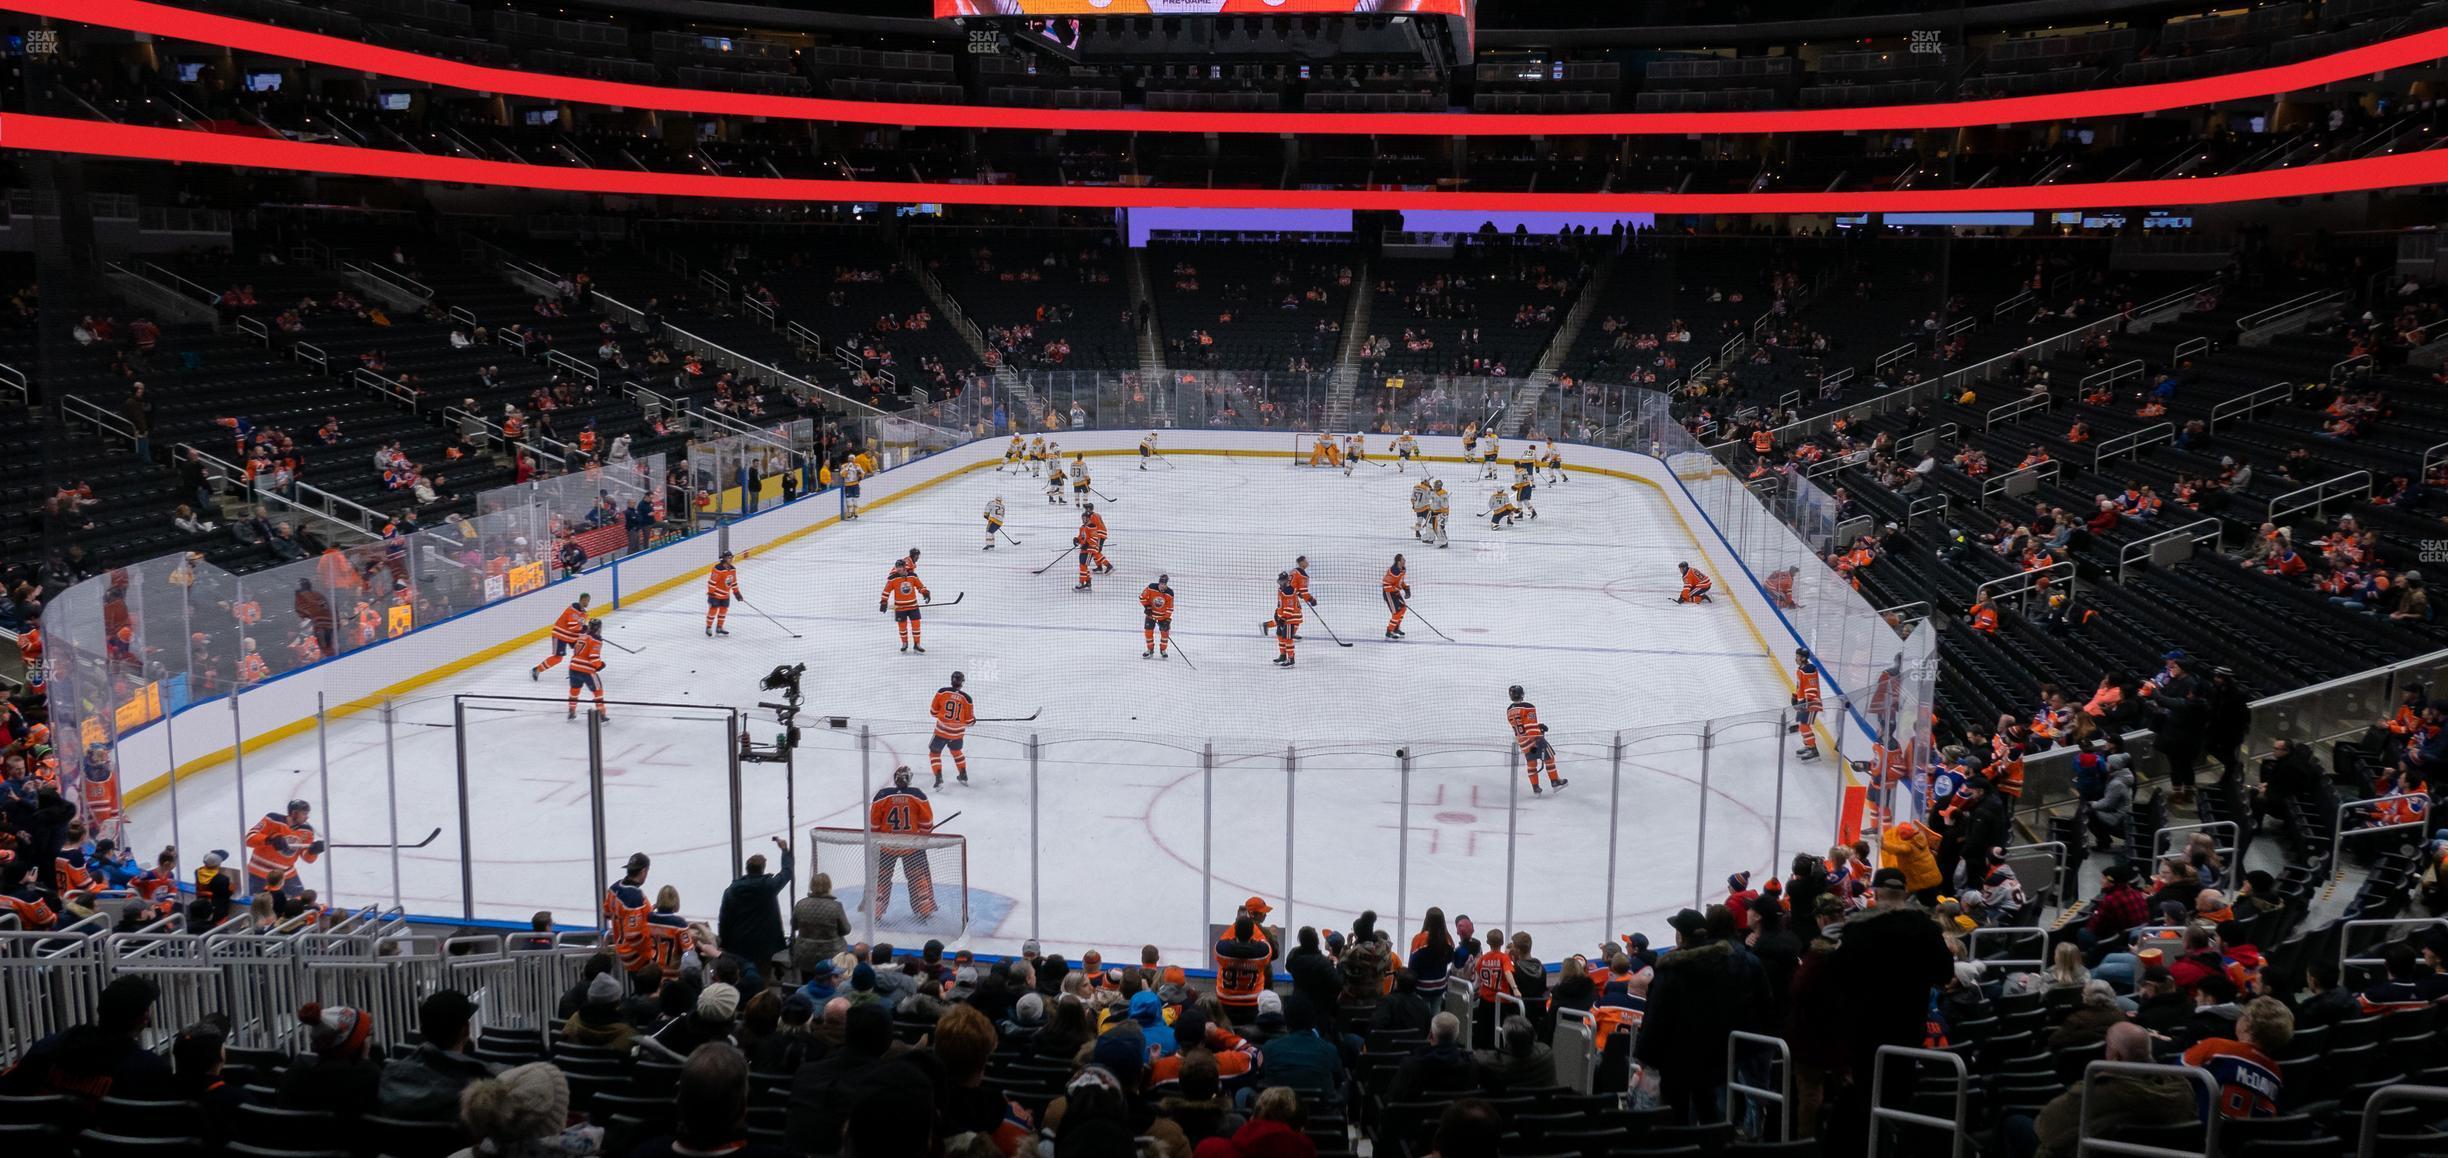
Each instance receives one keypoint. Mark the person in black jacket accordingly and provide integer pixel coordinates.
(102, 1058)
(2177, 718)
(1891, 961)
(751, 919)
(2226, 717)
(1314, 975)
(2288, 775)
(1707, 988)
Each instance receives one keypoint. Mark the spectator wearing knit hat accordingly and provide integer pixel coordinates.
(598, 1020)
(523, 1112)
(335, 1075)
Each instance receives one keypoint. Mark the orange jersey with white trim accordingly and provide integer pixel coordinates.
(1806, 686)
(722, 582)
(1287, 604)
(1397, 581)
(570, 625)
(1300, 583)
(1157, 600)
(588, 658)
(953, 712)
(903, 589)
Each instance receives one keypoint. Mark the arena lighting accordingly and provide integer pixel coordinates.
(315, 48)
(149, 143)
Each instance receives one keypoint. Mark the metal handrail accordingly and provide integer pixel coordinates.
(1961, 324)
(366, 521)
(2301, 302)
(2089, 1144)
(210, 298)
(253, 327)
(575, 365)
(530, 440)
(1996, 485)
(1926, 504)
(803, 335)
(2338, 832)
(2132, 443)
(1955, 1127)
(1973, 939)
(2200, 531)
(2321, 495)
(2247, 405)
(2187, 348)
(1920, 607)
(2003, 308)
(13, 380)
(2346, 937)
(1782, 1066)
(309, 352)
(2108, 378)
(1894, 356)
(2009, 411)
(392, 277)
(464, 316)
(2339, 371)
(386, 386)
(1834, 381)
(2367, 1141)
(777, 374)
(2026, 582)
(2226, 851)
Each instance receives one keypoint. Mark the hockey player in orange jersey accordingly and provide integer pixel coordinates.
(1397, 589)
(1091, 543)
(277, 843)
(1156, 626)
(586, 670)
(1695, 584)
(1531, 737)
(722, 586)
(902, 594)
(1806, 703)
(565, 632)
(901, 808)
(953, 711)
(1285, 623)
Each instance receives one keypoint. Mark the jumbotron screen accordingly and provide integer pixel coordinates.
(945, 9)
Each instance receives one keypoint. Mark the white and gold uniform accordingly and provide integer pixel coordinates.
(1489, 452)
(994, 521)
(1419, 509)
(1036, 454)
(1355, 450)
(1525, 481)
(1054, 482)
(1406, 448)
(1440, 507)
(1501, 509)
(1553, 460)
(1079, 475)
(1016, 453)
(1147, 449)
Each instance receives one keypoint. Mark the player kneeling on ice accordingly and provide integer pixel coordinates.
(1501, 510)
(1695, 585)
(901, 809)
(1531, 737)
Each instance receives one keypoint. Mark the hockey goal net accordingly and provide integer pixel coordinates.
(1305, 450)
(897, 884)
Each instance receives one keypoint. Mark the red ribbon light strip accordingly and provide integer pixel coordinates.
(202, 27)
(151, 143)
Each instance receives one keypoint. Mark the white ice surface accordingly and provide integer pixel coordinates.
(1118, 818)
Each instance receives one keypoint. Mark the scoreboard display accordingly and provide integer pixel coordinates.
(946, 9)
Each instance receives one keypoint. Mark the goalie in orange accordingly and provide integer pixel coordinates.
(1695, 584)
(902, 809)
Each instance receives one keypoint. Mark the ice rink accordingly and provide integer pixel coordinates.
(1376, 776)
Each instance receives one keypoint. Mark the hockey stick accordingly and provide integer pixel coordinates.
(949, 819)
(630, 650)
(1177, 650)
(1102, 495)
(1423, 619)
(429, 839)
(947, 602)
(768, 618)
(1009, 719)
(1008, 536)
(1330, 631)
(1057, 559)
